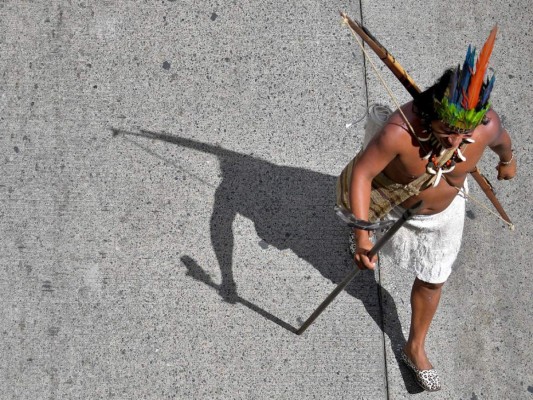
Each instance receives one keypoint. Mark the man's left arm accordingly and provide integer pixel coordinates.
(502, 146)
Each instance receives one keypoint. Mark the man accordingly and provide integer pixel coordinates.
(424, 152)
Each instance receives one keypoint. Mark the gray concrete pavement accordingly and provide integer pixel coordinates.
(167, 182)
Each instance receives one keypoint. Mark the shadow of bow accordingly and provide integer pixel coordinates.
(292, 208)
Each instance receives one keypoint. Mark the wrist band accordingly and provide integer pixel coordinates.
(507, 162)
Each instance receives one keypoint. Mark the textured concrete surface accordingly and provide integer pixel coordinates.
(166, 188)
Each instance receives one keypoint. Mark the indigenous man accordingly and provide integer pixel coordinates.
(424, 152)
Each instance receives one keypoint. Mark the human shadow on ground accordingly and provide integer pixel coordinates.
(291, 208)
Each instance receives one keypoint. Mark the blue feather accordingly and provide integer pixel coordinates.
(453, 85)
(488, 89)
(466, 73)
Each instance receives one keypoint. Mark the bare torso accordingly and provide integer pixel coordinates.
(408, 164)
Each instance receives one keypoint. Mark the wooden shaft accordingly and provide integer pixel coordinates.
(328, 300)
(384, 55)
(380, 243)
(487, 189)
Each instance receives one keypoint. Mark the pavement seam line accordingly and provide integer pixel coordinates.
(380, 303)
(383, 341)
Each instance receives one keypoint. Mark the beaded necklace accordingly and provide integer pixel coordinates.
(439, 163)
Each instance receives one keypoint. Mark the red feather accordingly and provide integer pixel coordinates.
(464, 102)
(481, 66)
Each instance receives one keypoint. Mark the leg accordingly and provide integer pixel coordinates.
(424, 301)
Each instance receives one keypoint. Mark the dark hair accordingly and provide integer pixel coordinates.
(423, 103)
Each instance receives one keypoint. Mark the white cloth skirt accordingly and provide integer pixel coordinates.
(427, 244)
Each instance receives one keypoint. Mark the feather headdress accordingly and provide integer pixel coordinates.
(466, 100)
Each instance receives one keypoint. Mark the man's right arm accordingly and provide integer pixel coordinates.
(382, 149)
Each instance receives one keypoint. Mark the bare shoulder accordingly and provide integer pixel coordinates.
(390, 139)
(395, 132)
(391, 142)
(492, 130)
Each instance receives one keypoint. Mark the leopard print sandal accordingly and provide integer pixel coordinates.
(428, 379)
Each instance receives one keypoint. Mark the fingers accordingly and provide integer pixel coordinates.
(505, 177)
(363, 262)
(505, 173)
(361, 254)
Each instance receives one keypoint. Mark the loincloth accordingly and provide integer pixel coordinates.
(426, 244)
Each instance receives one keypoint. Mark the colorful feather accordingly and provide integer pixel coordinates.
(466, 73)
(481, 66)
(464, 76)
(466, 99)
(453, 85)
(488, 89)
